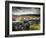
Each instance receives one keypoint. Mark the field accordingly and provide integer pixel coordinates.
(26, 23)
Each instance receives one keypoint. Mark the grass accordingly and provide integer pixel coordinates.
(34, 27)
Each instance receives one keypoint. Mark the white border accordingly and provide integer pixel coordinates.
(25, 32)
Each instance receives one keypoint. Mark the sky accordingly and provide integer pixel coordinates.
(25, 10)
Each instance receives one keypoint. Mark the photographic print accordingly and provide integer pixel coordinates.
(25, 18)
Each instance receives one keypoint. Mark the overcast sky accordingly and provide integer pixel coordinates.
(25, 10)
